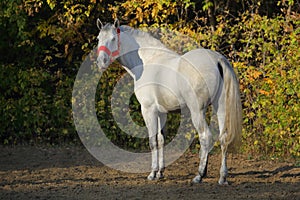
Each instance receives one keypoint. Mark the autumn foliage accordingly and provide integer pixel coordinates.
(43, 43)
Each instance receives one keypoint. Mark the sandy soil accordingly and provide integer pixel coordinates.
(72, 173)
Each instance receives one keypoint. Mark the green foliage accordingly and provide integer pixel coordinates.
(33, 108)
(43, 43)
(267, 57)
(42, 46)
(269, 77)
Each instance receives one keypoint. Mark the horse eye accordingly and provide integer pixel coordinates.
(113, 39)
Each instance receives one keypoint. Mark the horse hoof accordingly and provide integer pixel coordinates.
(159, 175)
(223, 182)
(197, 179)
(151, 176)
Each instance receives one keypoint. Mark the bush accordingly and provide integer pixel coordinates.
(43, 44)
(35, 107)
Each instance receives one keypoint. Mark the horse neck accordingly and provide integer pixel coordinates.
(137, 51)
(129, 57)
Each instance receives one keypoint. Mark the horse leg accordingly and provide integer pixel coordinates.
(223, 169)
(150, 118)
(154, 156)
(160, 139)
(206, 142)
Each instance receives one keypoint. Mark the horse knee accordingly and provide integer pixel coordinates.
(153, 142)
(160, 140)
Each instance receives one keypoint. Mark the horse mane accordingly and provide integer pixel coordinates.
(147, 39)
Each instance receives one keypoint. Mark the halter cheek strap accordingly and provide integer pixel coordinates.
(113, 54)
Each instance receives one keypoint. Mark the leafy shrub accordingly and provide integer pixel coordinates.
(34, 107)
(44, 42)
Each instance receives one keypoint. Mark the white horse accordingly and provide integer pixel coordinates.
(166, 81)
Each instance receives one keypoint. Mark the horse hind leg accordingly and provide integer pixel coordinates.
(206, 143)
(224, 145)
(223, 169)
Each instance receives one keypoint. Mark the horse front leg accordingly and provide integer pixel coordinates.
(154, 157)
(151, 120)
(160, 139)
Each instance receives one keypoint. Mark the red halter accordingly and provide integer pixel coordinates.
(113, 54)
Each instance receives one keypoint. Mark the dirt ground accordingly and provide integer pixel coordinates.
(72, 173)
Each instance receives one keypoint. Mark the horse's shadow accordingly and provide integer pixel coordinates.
(285, 170)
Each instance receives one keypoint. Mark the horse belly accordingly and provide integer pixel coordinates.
(158, 88)
(167, 100)
(158, 95)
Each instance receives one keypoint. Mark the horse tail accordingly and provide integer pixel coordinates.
(233, 109)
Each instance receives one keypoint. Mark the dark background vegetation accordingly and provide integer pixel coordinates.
(43, 43)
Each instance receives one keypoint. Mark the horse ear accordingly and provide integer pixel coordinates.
(117, 23)
(99, 24)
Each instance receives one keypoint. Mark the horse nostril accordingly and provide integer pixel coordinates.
(105, 60)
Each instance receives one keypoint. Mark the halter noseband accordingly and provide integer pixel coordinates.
(113, 54)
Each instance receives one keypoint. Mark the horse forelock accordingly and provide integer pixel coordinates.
(106, 27)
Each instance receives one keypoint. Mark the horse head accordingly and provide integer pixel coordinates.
(108, 48)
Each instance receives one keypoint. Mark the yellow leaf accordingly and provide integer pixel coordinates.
(268, 80)
(264, 92)
(256, 74)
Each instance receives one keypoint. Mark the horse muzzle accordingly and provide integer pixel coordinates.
(103, 61)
